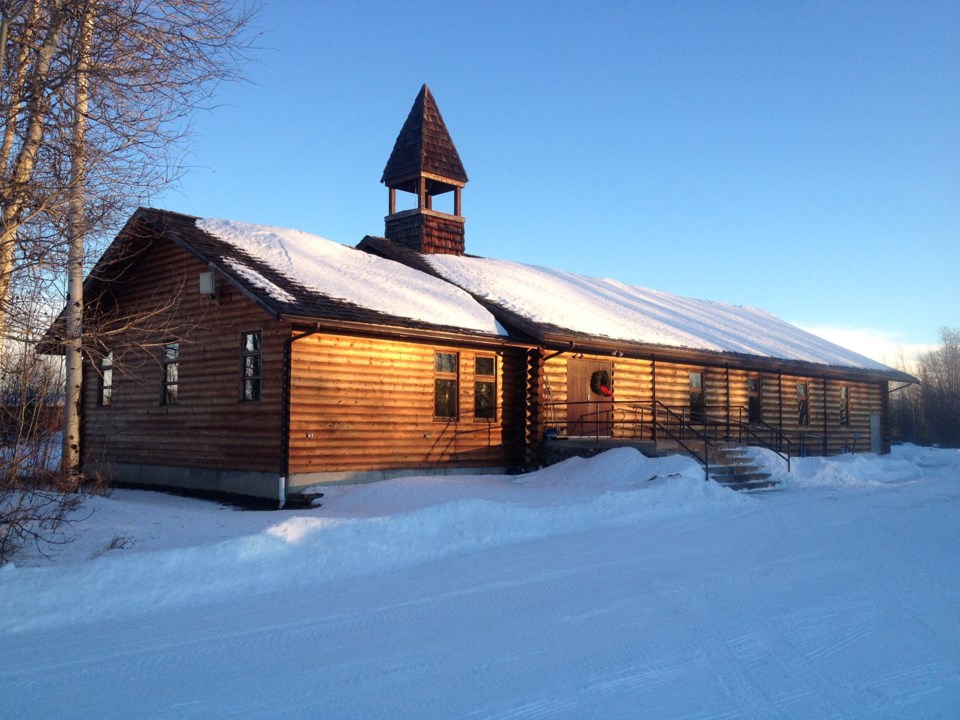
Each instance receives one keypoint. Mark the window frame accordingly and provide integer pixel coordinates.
(698, 409)
(755, 399)
(843, 394)
(803, 404)
(251, 378)
(105, 391)
(488, 414)
(449, 379)
(170, 360)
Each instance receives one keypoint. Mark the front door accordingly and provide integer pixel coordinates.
(589, 413)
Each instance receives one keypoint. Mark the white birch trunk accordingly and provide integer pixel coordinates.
(73, 337)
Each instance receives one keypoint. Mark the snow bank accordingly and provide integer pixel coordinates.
(610, 308)
(171, 552)
(905, 463)
(361, 529)
(344, 273)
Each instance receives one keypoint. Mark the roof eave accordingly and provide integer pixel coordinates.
(406, 332)
(710, 358)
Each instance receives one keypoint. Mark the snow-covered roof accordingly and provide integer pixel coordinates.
(565, 302)
(299, 274)
(322, 267)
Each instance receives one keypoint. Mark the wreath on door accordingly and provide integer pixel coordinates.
(600, 383)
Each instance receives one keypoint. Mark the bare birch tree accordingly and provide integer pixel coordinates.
(76, 229)
(96, 100)
(147, 67)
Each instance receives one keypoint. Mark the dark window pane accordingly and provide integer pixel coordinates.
(445, 362)
(107, 386)
(485, 366)
(484, 400)
(106, 379)
(251, 389)
(803, 407)
(250, 365)
(445, 398)
(696, 396)
(754, 400)
(251, 342)
(696, 405)
(171, 373)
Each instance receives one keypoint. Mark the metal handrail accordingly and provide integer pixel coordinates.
(680, 439)
(604, 417)
(638, 420)
(774, 432)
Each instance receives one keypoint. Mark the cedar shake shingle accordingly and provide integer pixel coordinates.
(423, 146)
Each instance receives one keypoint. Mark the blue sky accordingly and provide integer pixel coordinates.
(799, 157)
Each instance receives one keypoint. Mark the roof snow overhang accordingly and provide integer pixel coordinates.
(147, 226)
(555, 338)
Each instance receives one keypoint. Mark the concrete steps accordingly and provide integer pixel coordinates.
(731, 466)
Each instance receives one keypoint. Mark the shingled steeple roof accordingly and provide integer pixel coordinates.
(424, 146)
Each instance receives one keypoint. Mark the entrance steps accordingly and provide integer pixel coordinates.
(730, 464)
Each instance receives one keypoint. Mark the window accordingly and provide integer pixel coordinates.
(445, 384)
(485, 388)
(106, 379)
(844, 405)
(803, 405)
(251, 355)
(697, 406)
(171, 374)
(754, 400)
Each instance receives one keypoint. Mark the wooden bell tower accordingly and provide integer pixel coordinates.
(425, 162)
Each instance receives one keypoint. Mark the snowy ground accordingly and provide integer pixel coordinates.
(619, 587)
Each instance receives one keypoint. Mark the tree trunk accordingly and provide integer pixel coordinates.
(73, 337)
(21, 168)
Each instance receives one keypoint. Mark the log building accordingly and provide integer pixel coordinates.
(262, 362)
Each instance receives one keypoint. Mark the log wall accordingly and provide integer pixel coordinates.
(361, 404)
(209, 427)
(644, 381)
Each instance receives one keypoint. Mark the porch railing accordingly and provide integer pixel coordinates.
(697, 433)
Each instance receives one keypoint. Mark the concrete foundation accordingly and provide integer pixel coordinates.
(298, 482)
(233, 482)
